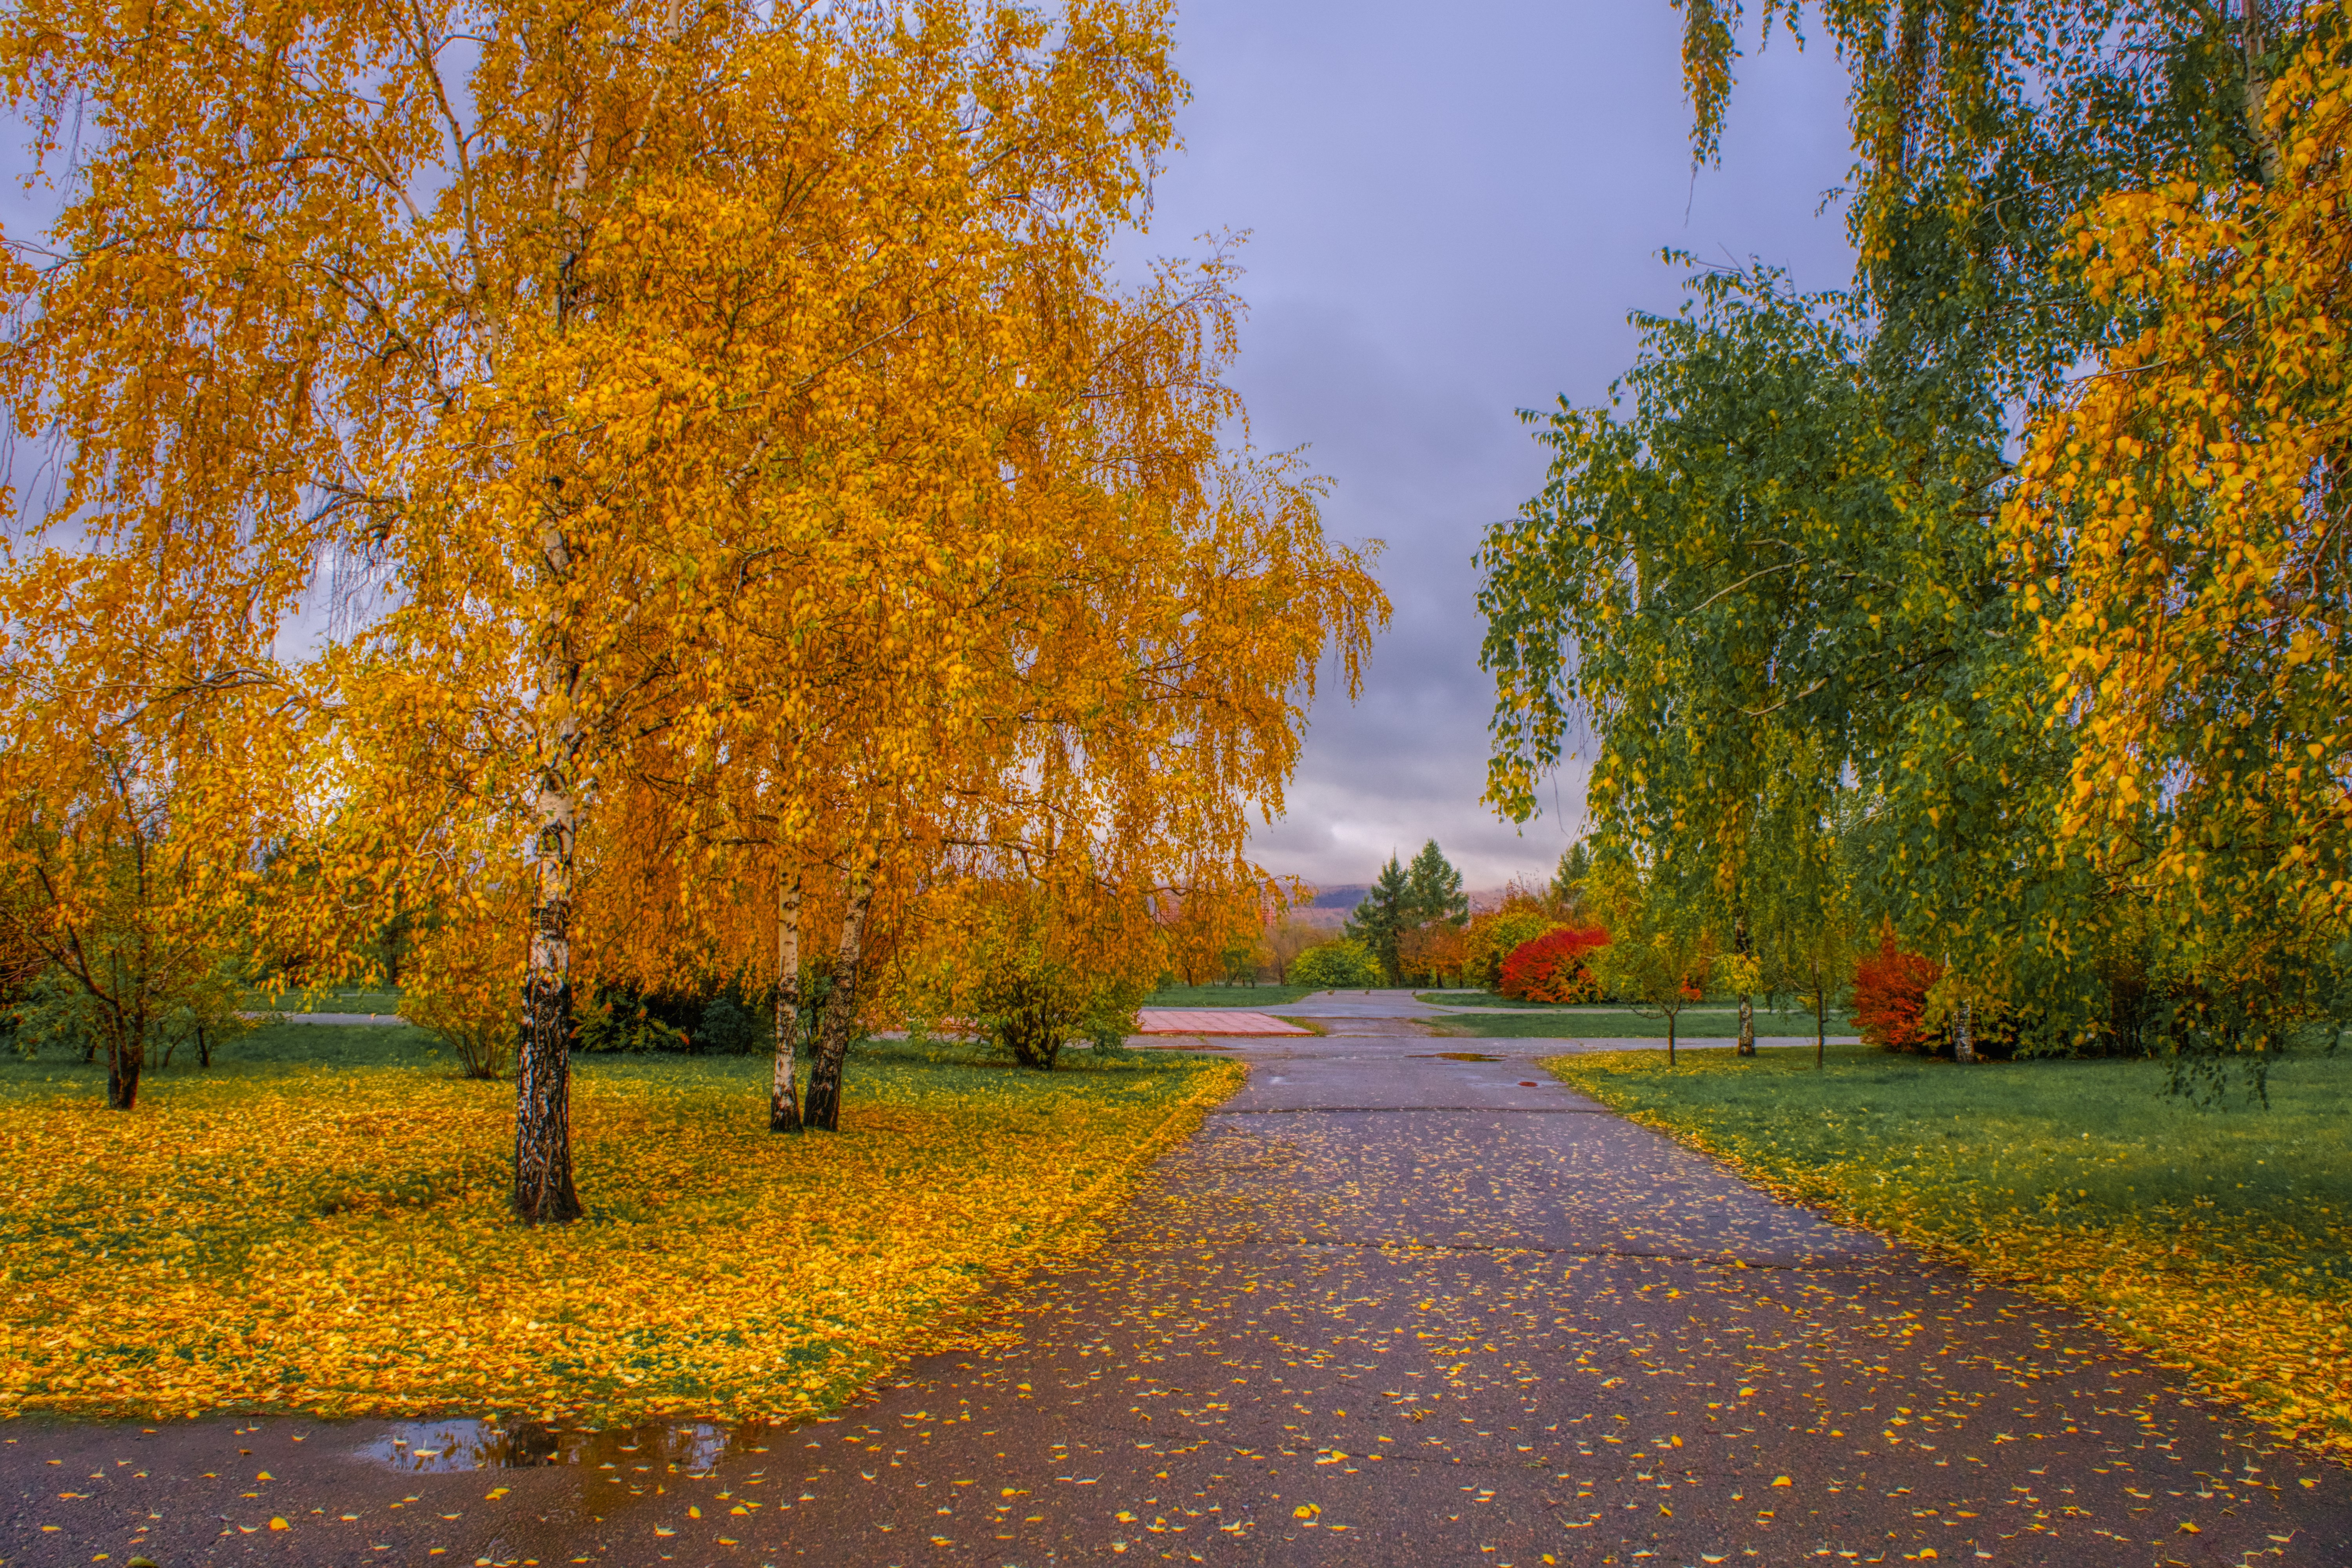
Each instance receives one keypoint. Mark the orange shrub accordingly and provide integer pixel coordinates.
(1890, 993)
(1434, 951)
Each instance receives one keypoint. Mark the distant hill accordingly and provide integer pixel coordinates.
(1331, 906)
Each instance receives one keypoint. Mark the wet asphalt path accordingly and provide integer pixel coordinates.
(1389, 1307)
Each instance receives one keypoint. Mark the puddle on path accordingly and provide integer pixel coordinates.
(1457, 1056)
(423, 1448)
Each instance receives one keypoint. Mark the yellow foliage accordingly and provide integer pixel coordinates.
(2192, 490)
(338, 1241)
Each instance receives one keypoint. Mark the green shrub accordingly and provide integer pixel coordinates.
(726, 1029)
(1341, 965)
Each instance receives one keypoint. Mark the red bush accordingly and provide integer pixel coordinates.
(1551, 967)
(1890, 992)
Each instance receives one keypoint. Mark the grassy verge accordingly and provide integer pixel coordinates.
(1257, 998)
(1475, 999)
(1566, 1024)
(2219, 1239)
(319, 1225)
(328, 1001)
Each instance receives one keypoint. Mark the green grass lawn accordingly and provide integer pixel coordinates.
(1258, 997)
(328, 1001)
(319, 1222)
(1474, 999)
(1581, 1024)
(2220, 1238)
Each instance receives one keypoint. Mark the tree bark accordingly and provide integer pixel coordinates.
(822, 1109)
(2253, 43)
(783, 1093)
(1743, 947)
(1821, 1019)
(1670, 1036)
(544, 1193)
(1964, 1042)
(123, 1060)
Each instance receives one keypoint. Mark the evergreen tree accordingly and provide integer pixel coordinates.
(1385, 914)
(1435, 889)
(1567, 883)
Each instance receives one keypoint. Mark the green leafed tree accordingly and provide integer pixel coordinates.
(1662, 947)
(1767, 582)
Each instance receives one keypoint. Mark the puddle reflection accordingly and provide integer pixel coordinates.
(425, 1448)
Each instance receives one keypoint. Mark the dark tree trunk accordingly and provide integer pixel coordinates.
(822, 1110)
(1670, 1036)
(1820, 1021)
(544, 1193)
(783, 1092)
(123, 1060)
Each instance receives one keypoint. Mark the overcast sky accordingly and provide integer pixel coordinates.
(1451, 209)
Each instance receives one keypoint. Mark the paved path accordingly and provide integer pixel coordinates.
(1392, 1306)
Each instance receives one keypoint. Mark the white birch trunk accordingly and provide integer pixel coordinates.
(783, 1093)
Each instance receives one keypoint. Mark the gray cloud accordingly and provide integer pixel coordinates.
(1451, 212)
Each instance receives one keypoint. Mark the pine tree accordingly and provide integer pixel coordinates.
(1567, 883)
(1385, 914)
(1435, 891)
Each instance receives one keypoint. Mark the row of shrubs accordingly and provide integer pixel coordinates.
(1548, 967)
(1895, 993)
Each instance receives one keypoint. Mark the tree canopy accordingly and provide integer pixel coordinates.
(724, 457)
(2070, 727)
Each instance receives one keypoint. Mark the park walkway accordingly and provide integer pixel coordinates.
(1395, 1304)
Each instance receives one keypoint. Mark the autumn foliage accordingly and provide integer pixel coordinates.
(1890, 996)
(1551, 967)
(333, 1239)
(739, 476)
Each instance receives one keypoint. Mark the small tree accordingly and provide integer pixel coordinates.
(1434, 951)
(465, 984)
(1284, 941)
(1807, 942)
(1662, 948)
(139, 763)
(1033, 967)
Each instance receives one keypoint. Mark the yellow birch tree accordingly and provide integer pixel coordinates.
(2181, 520)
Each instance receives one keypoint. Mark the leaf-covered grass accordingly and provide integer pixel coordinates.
(1256, 997)
(2219, 1239)
(1581, 1024)
(320, 1224)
